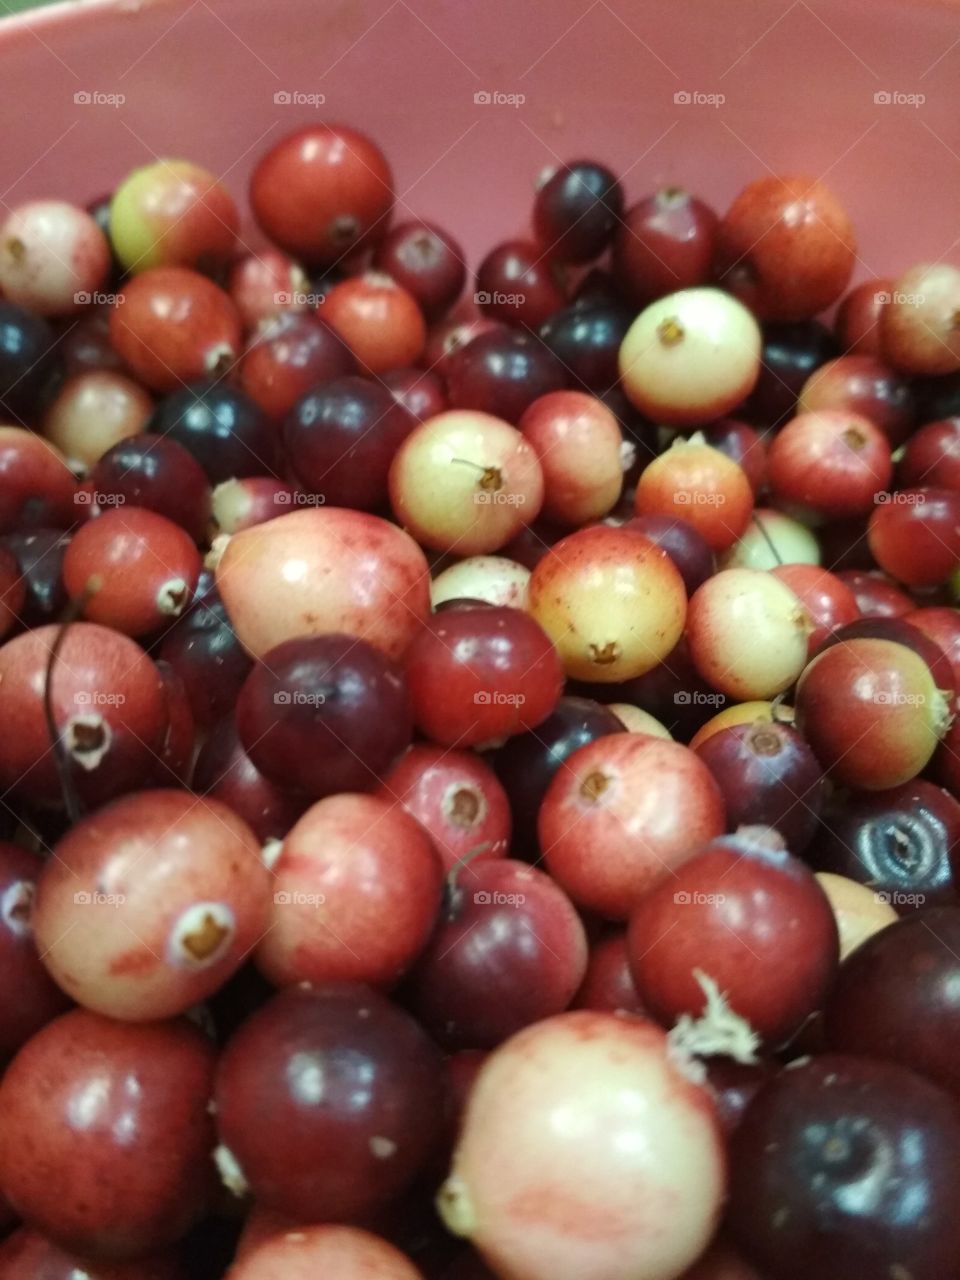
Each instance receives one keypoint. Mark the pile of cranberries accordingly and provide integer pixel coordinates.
(479, 776)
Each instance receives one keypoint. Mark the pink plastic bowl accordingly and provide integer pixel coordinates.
(707, 93)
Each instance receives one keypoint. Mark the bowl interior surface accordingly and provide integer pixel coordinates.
(471, 103)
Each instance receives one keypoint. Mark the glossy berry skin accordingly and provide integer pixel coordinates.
(108, 705)
(786, 248)
(858, 317)
(744, 444)
(832, 463)
(132, 570)
(448, 337)
(502, 372)
(915, 537)
(341, 438)
(288, 357)
(508, 950)
(94, 411)
(204, 651)
(585, 337)
(769, 777)
(528, 762)
(751, 917)
(871, 712)
(356, 889)
(791, 354)
(480, 674)
(420, 391)
(608, 984)
(379, 321)
(942, 626)
(699, 484)
(918, 328)
(172, 325)
(863, 1158)
(322, 191)
(30, 999)
(644, 1134)
(612, 602)
(827, 600)
(517, 284)
(106, 1137)
(877, 596)
(156, 473)
(352, 1083)
(456, 797)
(579, 444)
(265, 285)
(225, 772)
(900, 843)
(577, 210)
(426, 261)
(325, 570)
(36, 485)
(932, 456)
(39, 558)
(172, 213)
(27, 1255)
(53, 257)
(621, 813)
(221, 427)
(151, 904)
(666, 242)
(30, 363)
(903, 632)
(687, 548)
(324, 714)
(863, 385)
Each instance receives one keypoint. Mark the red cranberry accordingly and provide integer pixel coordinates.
(321, 191)
(502, 373)
(791, 354)
(932, 456)
(517, 283)
(265, 284)
(786, 247)
(915, 537)
(27, 1255)
(810, 1144)
(481, 674)
(447, 338)
(831, 462)
(665, 242)
(456, 798)
(902, 631)
(172, 213)
(743, 444)
(420, 391)
(580, 448)
(289, 357)
(864, 386)
(39, 555)
(341, 438)
(577, 210)
(857, 322)
(918, 327)
(827, 600)
(221, 427)
(701, 485)
(426, 261)
(93, 412)
(769, 777)
(942, 626)
(226, 773)
(324, 714)
(172, 325)
(106, 1134)
(608, 984)
(204, 651)
(352, 1084)
(156, 473)
(36, 485)
(508, 951)
(875, 594)
(682, 542)
(379, 321)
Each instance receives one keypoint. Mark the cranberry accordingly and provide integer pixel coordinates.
(321, 571)
(831, 462)
(131, 570)
(827, 601)
(685, 546)
(482, 580)
(156, 473)
(527, 763)
(746, 917)
(30, 364)
(611, 601)
(30, 998)
(915, 536)
(517, 283)
(53, 257)
(27, 1255)
(220, 426)
(786, 247)
(419, 391)
(353, 1085)
(608, 984)
(204, 651)
(321, 191)
(791, 354)
(903, 632)
(577, 210)
(600, 1119)
(36, 485)
(701, 485)
(621, 814)
(942, 626)
(379, 321)
(932, 456)
(427, 262)
(743, 444)
(857, 322)
(174, 763)
(456, 798)
(290, 356)
(94, 411)
(871, 712)
(578, 442)
(586, 338)
(876, 595)
(341, 438)
(265, 285)
(665, 242)
(769, 777)
(734, 1085)
(106, 1135)
(918, 328)
(772, 539)
(690, 357)
(226, 773)
(862, 385)
(39, 555)
(502, 372)
(447, 338)
(172, 213)
(809, 1143)
(172, 325)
